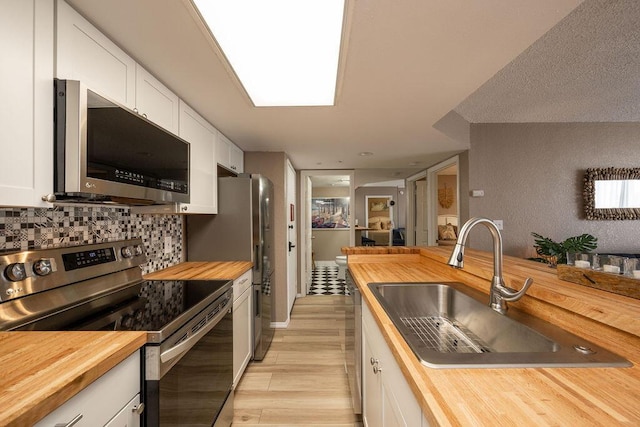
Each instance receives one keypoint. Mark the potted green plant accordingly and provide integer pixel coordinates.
(554, 253)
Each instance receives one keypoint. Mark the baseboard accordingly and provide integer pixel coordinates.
(280, 325)
(326, 263)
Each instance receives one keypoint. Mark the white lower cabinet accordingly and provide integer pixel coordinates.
(242, 325)
(387, 398)
(111, 400)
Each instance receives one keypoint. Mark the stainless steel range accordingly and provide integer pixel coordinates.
(188, 363)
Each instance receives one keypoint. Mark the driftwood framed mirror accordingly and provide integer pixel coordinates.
(612, 193)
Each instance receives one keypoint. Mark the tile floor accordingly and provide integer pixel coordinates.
(324, 281)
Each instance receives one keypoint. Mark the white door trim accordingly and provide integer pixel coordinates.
(411, 206)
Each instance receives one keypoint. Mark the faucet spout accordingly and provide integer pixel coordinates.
(499, 294)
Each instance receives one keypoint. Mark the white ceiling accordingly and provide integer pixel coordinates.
(406, 65)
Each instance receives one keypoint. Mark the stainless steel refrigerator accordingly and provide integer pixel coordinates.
(241, 231)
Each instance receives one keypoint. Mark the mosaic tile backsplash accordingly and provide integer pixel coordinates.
(39, 228)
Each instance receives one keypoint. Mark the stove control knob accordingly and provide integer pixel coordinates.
(42, 267)
(126, 252)
(138, 250)
(16, 272)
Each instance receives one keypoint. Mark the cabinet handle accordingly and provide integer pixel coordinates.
(71, 423)
(377, 369)
(243, 281)
(49, 198)
(373, 361)
(144, 115)
(138, 409)
(184, 208)
(135, 110)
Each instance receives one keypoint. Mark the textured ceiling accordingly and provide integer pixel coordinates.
(405, 65)
(585, 69)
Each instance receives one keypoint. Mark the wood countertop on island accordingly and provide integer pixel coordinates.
(202, 270)
(42, 370)
(516, 396)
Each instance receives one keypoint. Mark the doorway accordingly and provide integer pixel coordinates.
(379, 219)
(326, 220)
(433, 200)
(443, 201)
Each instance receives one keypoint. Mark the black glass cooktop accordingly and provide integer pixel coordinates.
(161, 307)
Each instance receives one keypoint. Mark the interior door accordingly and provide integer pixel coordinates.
(292, 232)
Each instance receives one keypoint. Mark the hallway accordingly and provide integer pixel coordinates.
(302, 380)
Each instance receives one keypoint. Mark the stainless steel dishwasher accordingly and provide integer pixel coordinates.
(353, 342)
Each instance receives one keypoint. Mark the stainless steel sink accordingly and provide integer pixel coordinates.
(449, 325)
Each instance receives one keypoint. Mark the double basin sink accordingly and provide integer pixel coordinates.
(449, 325)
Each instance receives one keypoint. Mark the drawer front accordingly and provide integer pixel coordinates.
(101, 400)
(241, 284)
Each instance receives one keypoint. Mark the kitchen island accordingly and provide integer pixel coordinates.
(515, 396)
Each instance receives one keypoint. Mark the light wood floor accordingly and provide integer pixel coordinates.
(302, 379)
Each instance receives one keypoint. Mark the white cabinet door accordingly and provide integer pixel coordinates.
(371, 388)
(26, 76)
(236, 158)
(84, 53)
(155, 101)
(103, 399)
(203, 175)
(242, 325)
(230, 156)
(128, 416)
(223, 151)
(388, 399)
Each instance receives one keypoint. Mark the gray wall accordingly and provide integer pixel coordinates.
(532, 178)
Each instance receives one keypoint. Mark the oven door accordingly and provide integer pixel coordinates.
(189, 376)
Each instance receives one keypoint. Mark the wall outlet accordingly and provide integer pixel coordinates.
(498, 223)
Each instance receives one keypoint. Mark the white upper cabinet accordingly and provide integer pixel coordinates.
(203, 179)
(84, 53)
(26, 112)
(229, 155)
(155, 101)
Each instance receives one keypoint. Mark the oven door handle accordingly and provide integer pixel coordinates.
(177, 350)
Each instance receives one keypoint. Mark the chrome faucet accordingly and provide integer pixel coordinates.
(499, 294)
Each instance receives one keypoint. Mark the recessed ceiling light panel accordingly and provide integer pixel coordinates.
(285, 52)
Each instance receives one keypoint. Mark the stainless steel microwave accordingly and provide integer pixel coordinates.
(107, 152)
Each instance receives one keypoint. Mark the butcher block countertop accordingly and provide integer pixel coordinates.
(42, 370)
(210, 270)
(516, 396)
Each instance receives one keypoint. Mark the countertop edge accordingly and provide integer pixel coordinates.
(93, 361)
(202, 270)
